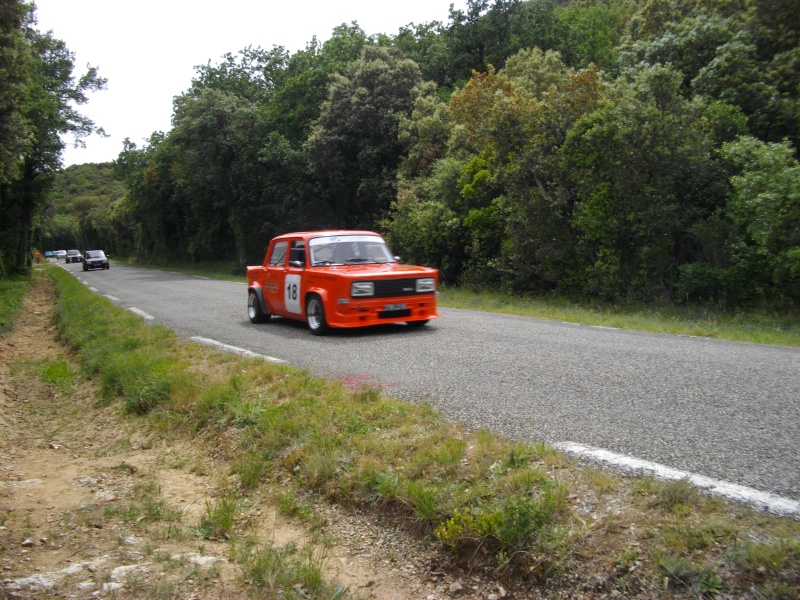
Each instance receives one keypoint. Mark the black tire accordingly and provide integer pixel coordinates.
(254, 311)
(315, 315)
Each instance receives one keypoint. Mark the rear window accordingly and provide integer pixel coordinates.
(278, 256)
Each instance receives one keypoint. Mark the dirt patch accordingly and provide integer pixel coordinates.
(93, 504)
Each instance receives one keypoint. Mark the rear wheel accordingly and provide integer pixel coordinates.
(254, 311)
(315, 315)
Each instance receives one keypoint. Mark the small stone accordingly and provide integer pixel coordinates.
(27, 543)
(456, 587)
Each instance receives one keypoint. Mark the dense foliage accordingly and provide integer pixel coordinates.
(628, 150)
(38, 98)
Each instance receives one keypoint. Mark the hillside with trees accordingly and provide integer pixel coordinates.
(624, 150)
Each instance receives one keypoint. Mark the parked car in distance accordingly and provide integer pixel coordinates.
(95, 259)
(332, 279)
(60, 254)
(49, 254)
(73, 256)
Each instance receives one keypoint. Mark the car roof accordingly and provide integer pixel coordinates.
(326, 233)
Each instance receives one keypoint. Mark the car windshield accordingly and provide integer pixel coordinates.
(349, 250)
(95, 254)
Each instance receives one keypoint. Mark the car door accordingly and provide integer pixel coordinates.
(275, 276)
(293, 282)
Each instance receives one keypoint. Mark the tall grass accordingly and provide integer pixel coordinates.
(12, 291)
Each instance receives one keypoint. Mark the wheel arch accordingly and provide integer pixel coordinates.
(323, 294)
(259, 292)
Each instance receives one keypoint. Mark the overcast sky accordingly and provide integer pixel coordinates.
(148, 49)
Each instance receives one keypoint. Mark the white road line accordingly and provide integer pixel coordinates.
(740, 493)
(142, 314)
(112, 298)
(93, 289)
(242, 351)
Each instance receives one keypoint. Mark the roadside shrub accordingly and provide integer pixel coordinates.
(509, 524)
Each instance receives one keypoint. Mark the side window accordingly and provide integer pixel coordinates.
(278, 256)
(297, 253)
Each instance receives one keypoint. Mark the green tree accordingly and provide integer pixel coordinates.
(643, 172)
(217, 137)
(765, 208)
(687, 46)
(253, 74)
(16, 62)
(303, 88)
(151, 220)
(594, 31)
(354, 149)
(736, 76)
(50, 102)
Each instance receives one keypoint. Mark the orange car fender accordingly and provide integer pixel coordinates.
(324, 295)
(256, 288)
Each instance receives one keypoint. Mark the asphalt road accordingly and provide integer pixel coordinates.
(728, 411)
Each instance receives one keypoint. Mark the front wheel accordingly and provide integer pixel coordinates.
(315, 316)
(254, 311)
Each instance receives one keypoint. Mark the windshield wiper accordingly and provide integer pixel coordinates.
(359, 260)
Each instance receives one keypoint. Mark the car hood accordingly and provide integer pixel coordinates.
(378, 270)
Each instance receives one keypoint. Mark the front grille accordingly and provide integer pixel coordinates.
(385, 288)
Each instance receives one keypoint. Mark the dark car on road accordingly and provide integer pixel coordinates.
(73, 256)
(95, 259)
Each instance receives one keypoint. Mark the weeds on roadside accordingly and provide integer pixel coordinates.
(12, 292)
(219, 518)
(288, 572)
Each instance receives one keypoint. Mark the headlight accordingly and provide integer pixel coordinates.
(362, 288)
(426, 285)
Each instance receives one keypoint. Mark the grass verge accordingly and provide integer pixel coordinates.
(702, 321)
(520, 510)
(12, 291)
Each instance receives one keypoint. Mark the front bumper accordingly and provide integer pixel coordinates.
(95, 265)
(362, 312)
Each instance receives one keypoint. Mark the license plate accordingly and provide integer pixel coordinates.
(394, 307)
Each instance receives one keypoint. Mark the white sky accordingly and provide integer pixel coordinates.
(148, 49)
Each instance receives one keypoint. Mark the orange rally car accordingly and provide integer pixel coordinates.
(335, 279)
